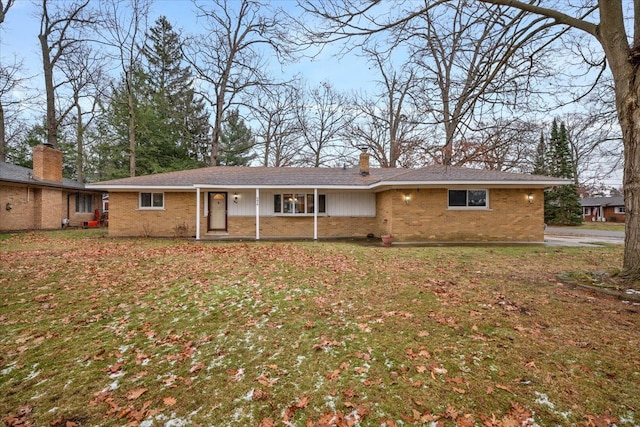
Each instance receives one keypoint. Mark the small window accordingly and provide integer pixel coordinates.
(300, 204)
(468, 198)
(84, 203)
(619, 209)
(151, 200)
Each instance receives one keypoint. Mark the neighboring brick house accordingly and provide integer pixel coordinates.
(434, 203)
(40, 199)
(603, 209)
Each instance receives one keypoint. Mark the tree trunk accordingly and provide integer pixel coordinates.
(52, 124)
(80, 144)
(132, 126)
(3, 142)
(630, 123)
(626, 76)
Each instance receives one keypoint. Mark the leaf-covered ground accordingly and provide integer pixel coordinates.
(98, 331)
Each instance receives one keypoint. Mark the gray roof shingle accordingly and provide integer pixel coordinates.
(323, 177)
(21, 175)
(602, 201)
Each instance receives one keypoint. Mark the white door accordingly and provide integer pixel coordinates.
(218, 211)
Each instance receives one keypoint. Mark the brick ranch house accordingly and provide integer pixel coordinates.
(431, 204)
(603, 209)
(40, 198)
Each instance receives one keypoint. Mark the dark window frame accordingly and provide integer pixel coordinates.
(469, 198)
(293, 202)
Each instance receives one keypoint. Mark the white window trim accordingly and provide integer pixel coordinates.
(150, 208)
(469, 208)
(620, 210)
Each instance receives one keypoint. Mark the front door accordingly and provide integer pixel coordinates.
(217, 212)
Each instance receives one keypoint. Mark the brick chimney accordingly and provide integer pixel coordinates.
(364, 163)
(47, 163)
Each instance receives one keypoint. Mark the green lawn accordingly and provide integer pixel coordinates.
(608, 226)
(99, 331)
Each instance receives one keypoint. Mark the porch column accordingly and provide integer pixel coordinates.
(257, 214)
(198, 213)
(315, 214)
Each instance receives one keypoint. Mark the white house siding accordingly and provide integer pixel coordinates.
(361, 204)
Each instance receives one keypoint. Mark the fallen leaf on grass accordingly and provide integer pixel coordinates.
(169, 401)
(136, 393)
(333, 375)
(605, 420)
(197, 367)
(267, 422)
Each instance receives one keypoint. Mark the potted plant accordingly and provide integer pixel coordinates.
(387, 238)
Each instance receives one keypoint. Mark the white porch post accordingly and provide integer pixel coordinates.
(315, 214)
(198, 213)
(257, 214)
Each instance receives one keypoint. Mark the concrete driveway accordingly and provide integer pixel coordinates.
(569, 236)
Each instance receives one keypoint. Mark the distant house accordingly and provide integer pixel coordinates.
(603, 209)
(39, 198)
(430, 204)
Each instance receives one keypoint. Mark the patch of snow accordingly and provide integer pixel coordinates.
(330, 401)
(8, 369)
(300, 360)
(124, 348)
(249, 396)
(116, 375)
(32, 374)
(54, 409)
(543, 399)
(632, 292)
(628, 418)
(114, 385)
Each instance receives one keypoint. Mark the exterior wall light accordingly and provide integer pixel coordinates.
(235, 198)
(530, 197)
(407, 197)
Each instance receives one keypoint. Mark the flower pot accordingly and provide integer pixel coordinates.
(387, 239)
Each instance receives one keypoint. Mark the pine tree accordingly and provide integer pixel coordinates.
(180, 113)
(562, 204)
(540, 160)
(171, 121)
(236, 141)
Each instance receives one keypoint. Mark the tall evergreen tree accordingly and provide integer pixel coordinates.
(562, 204)
(170, 86)
(171, 123)
(540, 160)
(236, 141)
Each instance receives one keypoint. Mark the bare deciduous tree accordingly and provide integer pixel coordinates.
(4, 8)
(387, 124)
(60, 34)
(322, 118)
(274, 109)
(228, 56)
(10, 106)
(83, 72)
(124, 27)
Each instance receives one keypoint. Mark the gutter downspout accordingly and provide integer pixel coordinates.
(198, 213)
(315, 214)
(257, 214)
